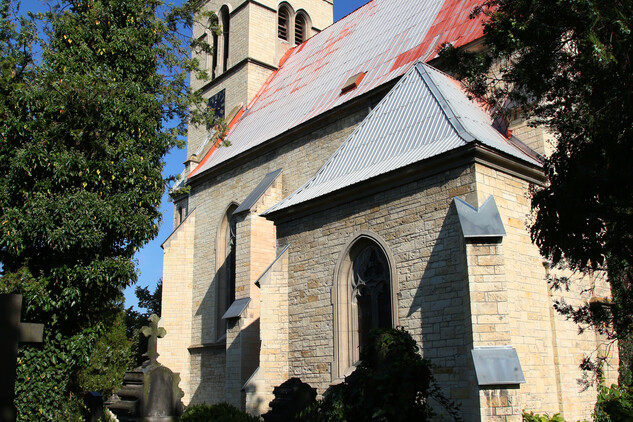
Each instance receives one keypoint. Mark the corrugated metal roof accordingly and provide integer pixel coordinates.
(250, 200)
(424, 115)
(383, 38)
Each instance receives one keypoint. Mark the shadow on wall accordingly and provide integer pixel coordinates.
(441, 305)
(208, 363)
(207, 310)
(221, 368)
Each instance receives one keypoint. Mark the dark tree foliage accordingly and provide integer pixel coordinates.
(150, 303)
(568, 64)
(392, 382)
(109, 359)
(221, 412)
(82, 139)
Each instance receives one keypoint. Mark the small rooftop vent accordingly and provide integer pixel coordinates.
(353, 82)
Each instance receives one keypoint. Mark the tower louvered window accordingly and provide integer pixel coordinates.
(282, 24)
(300, 29)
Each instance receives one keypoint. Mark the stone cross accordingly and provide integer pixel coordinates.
(154, 333)
(12, 332)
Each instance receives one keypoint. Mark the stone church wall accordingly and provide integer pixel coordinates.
(421, 230)
(512, 304)
(300, 159)
(177, 277)
(541, 336)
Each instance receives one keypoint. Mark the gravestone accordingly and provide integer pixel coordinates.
(291, 397)
(150, 392)
(12, 332)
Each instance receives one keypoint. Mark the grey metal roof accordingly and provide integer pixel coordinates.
(250, 200)
(424, 115)
(236, 308)
(262, 277)
(377, 39)
(497, 365)
(483, 222)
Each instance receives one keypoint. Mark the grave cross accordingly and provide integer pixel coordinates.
(12, 332)
(154, 333)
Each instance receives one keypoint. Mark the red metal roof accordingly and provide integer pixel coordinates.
(383, 39)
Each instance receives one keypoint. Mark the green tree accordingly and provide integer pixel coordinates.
(567, 64)
(109, 359)
(82, 139)
(150, 303)
(392, 382)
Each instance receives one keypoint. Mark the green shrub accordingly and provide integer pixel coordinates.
(614, 404)
(222, 412)
(534, 417)
(391, 383)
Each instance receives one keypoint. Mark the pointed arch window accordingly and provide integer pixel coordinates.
(364, 298)
(214, 44)
(225, 262)
(226, 30)
(371, 300)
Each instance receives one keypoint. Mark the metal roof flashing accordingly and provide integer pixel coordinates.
(162, 245)
(261, 188)
(260, 279)
(443, 103)
(497, 365)
(484, 222)
(237, 308)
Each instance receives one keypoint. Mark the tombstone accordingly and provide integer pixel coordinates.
(291, 397)
(12, 332)
(150, 392)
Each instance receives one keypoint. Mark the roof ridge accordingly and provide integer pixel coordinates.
(445, 106)
(358, 128)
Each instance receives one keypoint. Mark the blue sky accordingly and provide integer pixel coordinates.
(150, 258)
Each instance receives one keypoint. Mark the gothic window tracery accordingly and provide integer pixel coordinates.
(364, 293)
(370, 292)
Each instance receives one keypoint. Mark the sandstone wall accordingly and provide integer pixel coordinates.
(299, 159)
(549, 346)
(176, 306)
(421, 230)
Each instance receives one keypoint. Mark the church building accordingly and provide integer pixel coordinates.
(362, 188)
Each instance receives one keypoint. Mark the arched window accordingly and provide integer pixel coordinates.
(225, 262)
(301, 29)
(226, 29)
(283, 23)
(370, 291)
(214, 53)
(182, 213)
(364, 293)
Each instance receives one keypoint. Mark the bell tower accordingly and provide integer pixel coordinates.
(254, 35)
